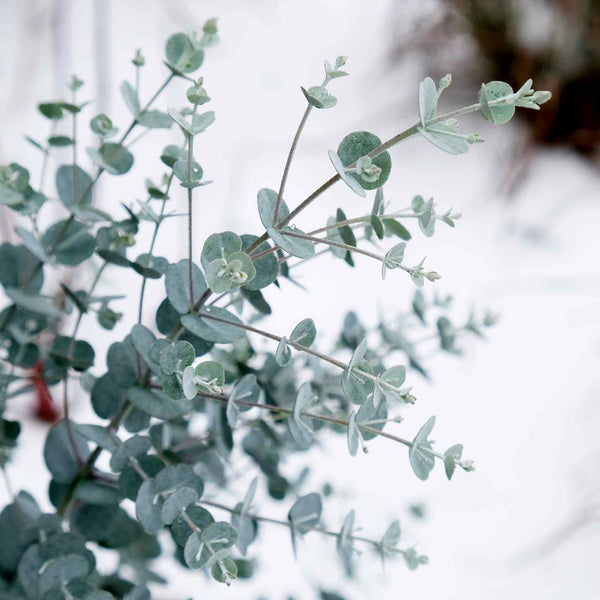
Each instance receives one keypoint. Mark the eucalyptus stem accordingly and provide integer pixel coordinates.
(190, 216)
(7, 483)
(288, 162)
(65, 402)
(138, 137)
(70, 433)
(274, 337)
(265, 236)
(321, 530)
(328, 242)
(74, 146)
(323, 188)
(324, 357)
(332, 420)
(301, 261)
(152, 244)
(317, 417)
(404, 135)
(360, 220)
(146, 107)
(88, 466)
(71, 217)
(189, 521)
(336, 244)
(400, 137)
(90, 292)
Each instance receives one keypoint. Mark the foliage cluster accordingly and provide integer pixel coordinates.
(183, 396)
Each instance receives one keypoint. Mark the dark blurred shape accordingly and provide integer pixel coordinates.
(45, 409)
(555, 42)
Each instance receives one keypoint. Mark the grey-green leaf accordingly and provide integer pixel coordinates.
(179, 500)
(304, 333)
(427, 100)
(298, 424)
(359, 144)
(213, 330)
(500, 113)
(157, 404)
(112, 157)
(131, 98)
(267, 200)
(283, 354)
(177, 285)
(421, 460)
(296, 246)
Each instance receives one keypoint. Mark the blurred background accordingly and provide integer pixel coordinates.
(525, 403)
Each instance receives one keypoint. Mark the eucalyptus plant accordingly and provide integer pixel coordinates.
(183, 396)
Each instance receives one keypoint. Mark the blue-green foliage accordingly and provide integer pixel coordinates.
(172, 424)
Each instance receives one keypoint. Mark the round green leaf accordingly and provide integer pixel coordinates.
(67, 352)
(304, 333)
(422, 461)
(70, 241)
(157, 404)
(51, 110)
(180, 529)
(267, 200)
(502, 113)
(58, 453)
(211, 330)
(220, 245)
(357, 388)
(358, 144)
(295, 246)
(176, 356)
(112, 157)
(121, 361)
(17, 265)
(182, 55)
(177, 285)
(267, 267)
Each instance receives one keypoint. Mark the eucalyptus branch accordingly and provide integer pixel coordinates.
(88, 466)
(93, 285)
(321, 530)
(400, 137)
(148, 104)
(327, 419)
(65, 403)
(129, 129)
(152, 244)
(288, 162)
(190, 217)
(336, 244)
(77, 199)
(356, 221)
(46, 153)
(323, 188)
(274, 337)
(178, 329)
(74, 148)
(301, 348)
